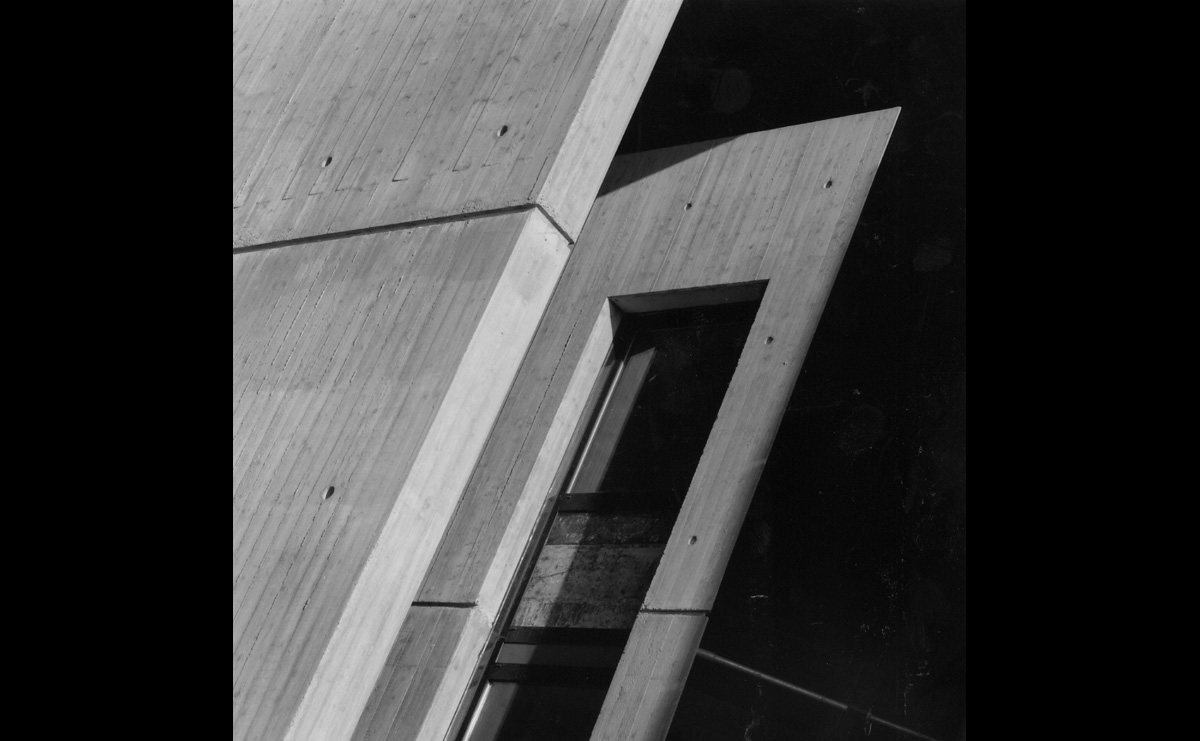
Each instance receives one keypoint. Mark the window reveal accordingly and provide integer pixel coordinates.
(666, 378)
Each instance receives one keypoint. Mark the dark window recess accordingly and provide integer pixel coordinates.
(662, 389)
(514, 711)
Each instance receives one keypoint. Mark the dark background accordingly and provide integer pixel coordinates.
(849, 577)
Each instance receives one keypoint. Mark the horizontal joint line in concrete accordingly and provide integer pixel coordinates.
(466, 605)
(389, 228)
(557, 226)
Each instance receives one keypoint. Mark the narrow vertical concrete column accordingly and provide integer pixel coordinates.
(386, 586)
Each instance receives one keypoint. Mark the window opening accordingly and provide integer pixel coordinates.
(605, 531)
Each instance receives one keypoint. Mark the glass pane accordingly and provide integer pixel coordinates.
(692, 356)
(587, 586)
(592, 528)
(535, 712)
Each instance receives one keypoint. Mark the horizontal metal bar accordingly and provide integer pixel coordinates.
(647, 502)
(565, 676)
(568, 636)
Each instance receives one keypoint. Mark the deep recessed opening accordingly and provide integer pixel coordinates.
(326, 162)
(503, 130)
(587, 575)
(328, 493)
(828, 183)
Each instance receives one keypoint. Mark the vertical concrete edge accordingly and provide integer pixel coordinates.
(568, 186)
(388, 582)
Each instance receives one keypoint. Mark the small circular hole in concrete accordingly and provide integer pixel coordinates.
(328, 493)
(326, 161)
(685, 208)
(692, 540)
(503, 130)
(829, 184)
(769, 340)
